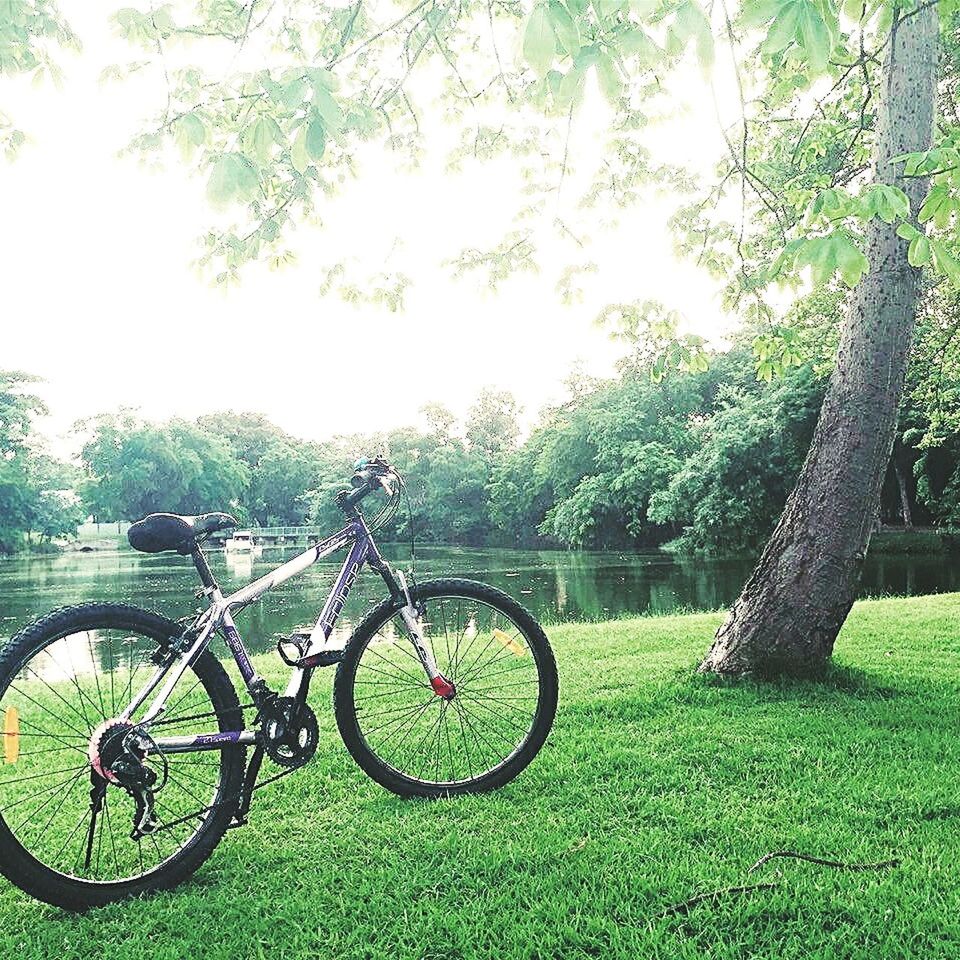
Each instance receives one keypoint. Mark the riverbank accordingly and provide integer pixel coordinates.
(556, 586)
(655, 786)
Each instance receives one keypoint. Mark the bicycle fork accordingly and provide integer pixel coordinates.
(441, 686)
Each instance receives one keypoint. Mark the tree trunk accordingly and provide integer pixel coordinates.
(791, 609)
(905, 511)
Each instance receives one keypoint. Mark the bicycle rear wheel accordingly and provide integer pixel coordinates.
(416, 743)
(63, 678)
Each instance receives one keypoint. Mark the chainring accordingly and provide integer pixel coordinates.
(290, 731)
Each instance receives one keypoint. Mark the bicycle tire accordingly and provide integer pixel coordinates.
(70, 892)
(399, 781)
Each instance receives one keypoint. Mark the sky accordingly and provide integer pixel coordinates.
(101, 301)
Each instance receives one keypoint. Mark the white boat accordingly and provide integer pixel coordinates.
(242, 542)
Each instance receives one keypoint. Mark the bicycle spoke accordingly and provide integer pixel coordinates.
(58, 703)
(50, 713)
(52, 796)
(401, 724)
(402, 673)
(96, 675)
(367, 666)
(481, 727)
(113, 845)
(70, 836)
(53, 690)
(487, 720)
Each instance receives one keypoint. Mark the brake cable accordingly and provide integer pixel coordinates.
(411, 528)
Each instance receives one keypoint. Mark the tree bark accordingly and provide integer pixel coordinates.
(901, 478)
(790, 611)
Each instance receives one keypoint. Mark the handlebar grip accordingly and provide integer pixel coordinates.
(348, 500)
(363, 478)
(368, 476)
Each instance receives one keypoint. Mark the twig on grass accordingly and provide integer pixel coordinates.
(685, 906)
(835, 864)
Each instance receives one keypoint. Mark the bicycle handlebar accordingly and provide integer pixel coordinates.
(367, 477)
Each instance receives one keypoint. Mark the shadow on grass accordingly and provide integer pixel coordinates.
(834, 678)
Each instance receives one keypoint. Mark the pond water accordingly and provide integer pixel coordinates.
(554, 585)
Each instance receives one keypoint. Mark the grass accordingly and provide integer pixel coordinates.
(656, 785)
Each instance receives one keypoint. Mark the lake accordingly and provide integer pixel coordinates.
(555, 585)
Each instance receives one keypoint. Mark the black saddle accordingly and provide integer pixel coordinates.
(169, 531)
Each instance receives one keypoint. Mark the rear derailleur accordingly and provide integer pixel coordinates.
(120, 759)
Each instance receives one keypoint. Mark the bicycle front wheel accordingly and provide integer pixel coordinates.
(66, 833)
(416, 743)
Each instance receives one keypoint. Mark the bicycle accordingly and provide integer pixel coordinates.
(446, 687)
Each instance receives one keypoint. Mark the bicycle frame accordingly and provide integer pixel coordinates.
(219, 617)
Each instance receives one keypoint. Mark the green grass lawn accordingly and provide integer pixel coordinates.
(655, 785)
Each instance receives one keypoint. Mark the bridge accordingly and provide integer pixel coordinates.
(274, 536)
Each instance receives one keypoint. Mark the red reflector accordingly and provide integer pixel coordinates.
(443, 688)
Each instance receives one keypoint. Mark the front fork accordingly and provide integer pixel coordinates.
(441, 686)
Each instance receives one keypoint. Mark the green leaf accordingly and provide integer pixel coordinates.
(938, 206)
(220, 185)
(814, 38)
(854, 9)
(637, 42)
(293, 91)
(260, 137)
(298, 153)
(228, 179)
(918, 253)
(329, 110)
(758, 13)
(571, 89)
(324, 78)
(819, 253)
(783, 30)
(945, 261)
(564, 27)
(888, 203)
(850, 259)
(270, 230)
(691, 21)
(907, 231)
(830, 253)
(609, 77)
(189, 133)
(539, 42)
(163, 20)
(316, 139)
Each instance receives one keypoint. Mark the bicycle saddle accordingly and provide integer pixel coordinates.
(169, 531)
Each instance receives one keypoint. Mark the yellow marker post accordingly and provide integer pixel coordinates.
(508, 642)
(11, 735)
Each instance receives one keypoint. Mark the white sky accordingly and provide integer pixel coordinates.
(99, 298)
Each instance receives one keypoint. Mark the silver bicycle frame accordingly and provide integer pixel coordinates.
(219, 617)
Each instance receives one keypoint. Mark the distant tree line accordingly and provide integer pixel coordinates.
(703, 459)
(37, 492)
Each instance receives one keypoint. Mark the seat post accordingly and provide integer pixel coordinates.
(203, 568)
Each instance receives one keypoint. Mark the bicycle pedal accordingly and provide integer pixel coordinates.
(293, 652)
(292, 648)
(325, 658)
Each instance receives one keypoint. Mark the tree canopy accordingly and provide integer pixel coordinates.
(37, 492)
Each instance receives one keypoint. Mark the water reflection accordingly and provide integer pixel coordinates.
(555, 585)
(87, 653)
